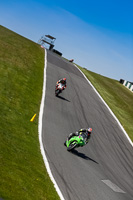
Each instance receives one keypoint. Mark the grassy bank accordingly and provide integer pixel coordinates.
(118, 98)
(23, 174)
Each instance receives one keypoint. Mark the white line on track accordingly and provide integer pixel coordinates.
(113, 186)
(107, 182)
(107, 107)
(40, 133)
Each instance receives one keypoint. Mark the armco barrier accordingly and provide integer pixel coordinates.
(127, 84)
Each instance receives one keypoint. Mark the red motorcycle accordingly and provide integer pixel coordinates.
(59, 88)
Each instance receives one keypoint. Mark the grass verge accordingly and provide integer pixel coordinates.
(118, 98)
(23, 173)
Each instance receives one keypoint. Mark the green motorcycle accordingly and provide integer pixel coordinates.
(76, 141)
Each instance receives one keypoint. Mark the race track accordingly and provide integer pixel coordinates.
(103, 169)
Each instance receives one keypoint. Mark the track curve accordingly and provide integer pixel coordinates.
(103, 169)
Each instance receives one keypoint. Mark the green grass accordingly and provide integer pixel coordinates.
(23, 173)
(118, 98)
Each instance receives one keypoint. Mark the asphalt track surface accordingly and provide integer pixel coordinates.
(107, 157)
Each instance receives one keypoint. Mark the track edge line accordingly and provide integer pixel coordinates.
(107, 107)
(40, 132)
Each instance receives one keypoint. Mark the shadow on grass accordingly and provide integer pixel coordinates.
(82, 155)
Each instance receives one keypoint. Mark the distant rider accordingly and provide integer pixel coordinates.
(86, 132)
(63, 81)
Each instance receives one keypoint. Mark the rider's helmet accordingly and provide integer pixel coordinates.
(89, 130)
(64, 80)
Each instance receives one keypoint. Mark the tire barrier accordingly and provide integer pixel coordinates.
(57, 52)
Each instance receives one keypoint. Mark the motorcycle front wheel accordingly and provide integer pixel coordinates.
(57, 92)
(71, 146)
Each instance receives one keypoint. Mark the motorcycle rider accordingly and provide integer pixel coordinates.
(63, 81)
(86, 132)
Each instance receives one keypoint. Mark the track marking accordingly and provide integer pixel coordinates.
(113, 186)
(40, 132)
(107, 107)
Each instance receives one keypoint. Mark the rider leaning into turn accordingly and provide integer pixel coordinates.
(87, 132)
(63, 81)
